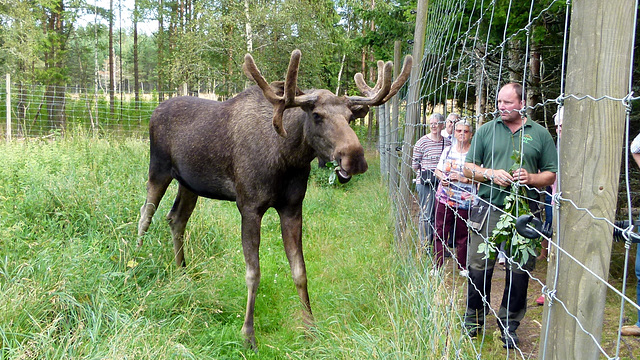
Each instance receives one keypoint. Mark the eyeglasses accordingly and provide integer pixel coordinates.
(463, 131)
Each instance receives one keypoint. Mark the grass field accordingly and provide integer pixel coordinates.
(73, 285)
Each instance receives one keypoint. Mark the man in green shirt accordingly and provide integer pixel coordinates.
(488, 162)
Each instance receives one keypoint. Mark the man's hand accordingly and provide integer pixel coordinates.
(501, 177)
(522, 176)
(539, 180)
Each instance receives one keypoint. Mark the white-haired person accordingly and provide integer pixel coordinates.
(454, 197)
(449, 125)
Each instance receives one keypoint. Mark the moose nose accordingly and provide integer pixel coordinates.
(351, 160)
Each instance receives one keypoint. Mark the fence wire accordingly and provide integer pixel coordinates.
(464, 65)
(38, 111)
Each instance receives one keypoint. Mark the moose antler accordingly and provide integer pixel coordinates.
(384, 89)
(289, 98)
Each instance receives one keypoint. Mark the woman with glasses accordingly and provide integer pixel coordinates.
(454, 197)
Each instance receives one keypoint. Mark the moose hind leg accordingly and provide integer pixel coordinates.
(156, 188)
(291, 226)
(250, 246)
(178, 216)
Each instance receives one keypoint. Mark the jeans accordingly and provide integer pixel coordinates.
(426, 199)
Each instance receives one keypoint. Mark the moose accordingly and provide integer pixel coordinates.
(256, 149)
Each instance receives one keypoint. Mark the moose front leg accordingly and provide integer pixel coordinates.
(251, 247)
(291, 227)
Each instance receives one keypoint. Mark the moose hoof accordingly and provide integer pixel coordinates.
(249, 338)
(250, 343)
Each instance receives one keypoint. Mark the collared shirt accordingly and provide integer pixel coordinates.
(451, 136)
(493, 147)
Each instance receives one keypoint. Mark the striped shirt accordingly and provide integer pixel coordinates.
(426, 154)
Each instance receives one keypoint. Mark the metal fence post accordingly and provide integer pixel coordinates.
(8, 107)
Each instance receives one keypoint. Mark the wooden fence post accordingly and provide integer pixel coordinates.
(413, 115)
(382, 139)
(598, 64)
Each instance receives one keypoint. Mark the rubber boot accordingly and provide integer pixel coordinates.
(508, 334)
(513, 307)
(479, 286)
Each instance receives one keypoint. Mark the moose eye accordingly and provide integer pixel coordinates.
(317, 118)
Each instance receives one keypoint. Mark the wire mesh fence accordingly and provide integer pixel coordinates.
(37, 110)
(470, 52)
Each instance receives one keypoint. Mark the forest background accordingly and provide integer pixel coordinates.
(198, 46)
(136, 53)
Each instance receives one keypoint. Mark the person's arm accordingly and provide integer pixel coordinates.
(443, 179)
(417, 156)
(636, 157)
(480, 174)
(439, 170)
(635, 149)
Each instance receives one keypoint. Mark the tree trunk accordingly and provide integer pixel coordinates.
(481, 87)
(598, 64)
(160, 50)
(533, 90)
(21, 113)
(248, 31)
(54, 65)
(515, 65)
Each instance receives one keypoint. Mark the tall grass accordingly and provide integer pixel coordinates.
(73, 285)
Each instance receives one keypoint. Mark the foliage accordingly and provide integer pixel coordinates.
(201, 44)
(519, 247)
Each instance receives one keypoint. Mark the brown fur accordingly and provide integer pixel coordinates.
(230, 151)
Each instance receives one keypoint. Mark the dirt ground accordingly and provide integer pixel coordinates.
(529, 330)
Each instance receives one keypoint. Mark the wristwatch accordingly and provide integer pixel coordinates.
(486, 177)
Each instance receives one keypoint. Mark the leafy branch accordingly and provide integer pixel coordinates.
(521, 248)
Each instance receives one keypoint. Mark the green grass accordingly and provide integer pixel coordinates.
(73, 285)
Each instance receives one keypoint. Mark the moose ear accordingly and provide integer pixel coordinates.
(359, 111)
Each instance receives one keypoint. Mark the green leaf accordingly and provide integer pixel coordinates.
(515, 206)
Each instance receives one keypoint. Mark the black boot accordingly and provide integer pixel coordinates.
(508, 334)
(479, 286)
(514, 303)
